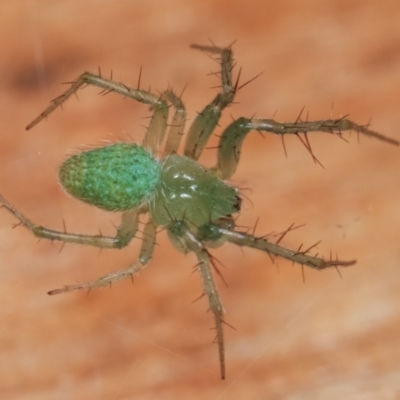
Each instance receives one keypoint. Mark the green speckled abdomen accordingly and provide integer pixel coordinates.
(117, 177)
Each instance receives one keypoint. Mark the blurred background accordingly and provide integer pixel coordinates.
(329, 337)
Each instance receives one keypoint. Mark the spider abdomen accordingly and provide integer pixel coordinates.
(117, 177)
(188, 191)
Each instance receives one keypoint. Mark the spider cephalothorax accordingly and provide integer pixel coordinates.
(193, 203)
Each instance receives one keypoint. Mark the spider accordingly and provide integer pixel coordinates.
(194, 204)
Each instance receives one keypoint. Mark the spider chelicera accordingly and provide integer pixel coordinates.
(195, 204)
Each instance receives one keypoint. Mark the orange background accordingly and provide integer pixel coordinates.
(329, 338)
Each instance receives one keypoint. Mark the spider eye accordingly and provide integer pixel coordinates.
(237, 204)
(118, 177)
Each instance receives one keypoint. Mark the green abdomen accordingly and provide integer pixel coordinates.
(117, 177)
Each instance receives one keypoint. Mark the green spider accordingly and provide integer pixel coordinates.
(193, 203)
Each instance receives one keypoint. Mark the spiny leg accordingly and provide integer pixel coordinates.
(146, 252)
(158, 122)
(206, 121)
(192, 243)
(213, 298)
(126, 230)
(274, 249)
(233, 136)
(176, 131)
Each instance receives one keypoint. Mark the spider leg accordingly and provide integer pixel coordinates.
(176, 129)
(192, 243)
(158, 122)
(146, 252)
(274, 249)
(207, 120)
(233, 136)
(126, 230)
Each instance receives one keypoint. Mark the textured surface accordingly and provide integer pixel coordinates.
(330, 338)
(116, 177)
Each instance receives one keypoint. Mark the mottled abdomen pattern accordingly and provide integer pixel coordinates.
(117, 177)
